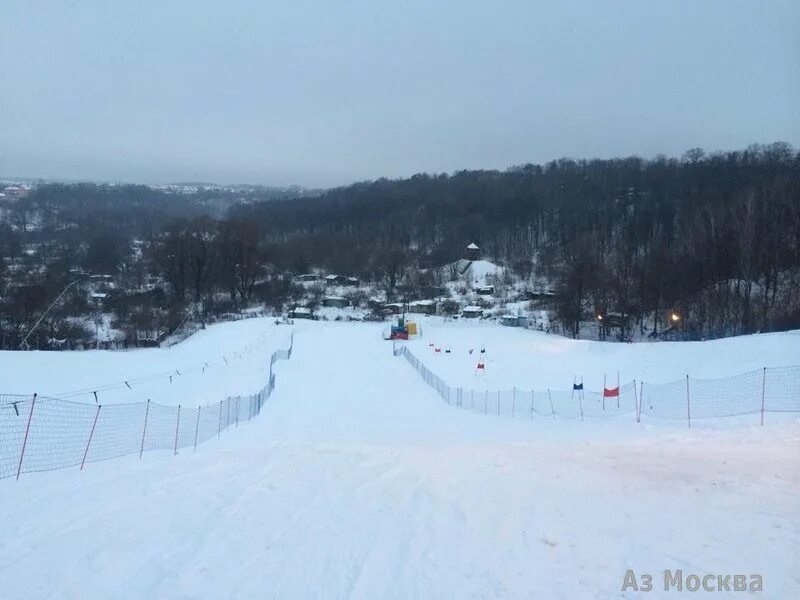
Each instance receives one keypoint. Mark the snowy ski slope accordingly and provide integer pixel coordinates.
(222, 360)
(535, 360)
(356, 481)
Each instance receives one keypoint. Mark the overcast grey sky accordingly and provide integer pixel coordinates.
(324, 93)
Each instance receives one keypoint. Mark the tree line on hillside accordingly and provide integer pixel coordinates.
(711, 238)
(714, 237)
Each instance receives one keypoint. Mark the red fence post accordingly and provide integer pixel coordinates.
(25, 439)
(144, 429)
(177, 426)
(763, 388)
(688, 404)
(197, 428)
(91, 433)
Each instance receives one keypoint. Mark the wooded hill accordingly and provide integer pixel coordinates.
(713, 236)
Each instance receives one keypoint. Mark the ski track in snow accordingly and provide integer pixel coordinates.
(357, 482)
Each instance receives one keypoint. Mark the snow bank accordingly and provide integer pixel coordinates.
(535, 360)
(237, 355)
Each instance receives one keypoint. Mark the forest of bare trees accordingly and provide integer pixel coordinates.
(714, 236)
(711, 238)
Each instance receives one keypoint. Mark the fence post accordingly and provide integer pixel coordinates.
(25, 439)
(688, 404)
(219, 422)
(635, 401)
(238, 398)
(641, 397)
(513, 402)
(763, 389)
(91, 433)
(580, 402)
(197, 428)
(177, 426)
(144, 429)
(604, 392)
(552, 410)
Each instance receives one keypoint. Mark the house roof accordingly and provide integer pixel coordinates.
(331, 277)
(302, 310)
(472, 246)
(473, 309)
(422, 303)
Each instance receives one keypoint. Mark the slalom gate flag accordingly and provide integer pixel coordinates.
(577, 386)
(611, 393)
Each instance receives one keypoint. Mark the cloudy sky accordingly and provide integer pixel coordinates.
(327, 92)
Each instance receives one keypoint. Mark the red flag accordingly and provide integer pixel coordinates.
(611, 393)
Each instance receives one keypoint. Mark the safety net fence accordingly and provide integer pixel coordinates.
(38, 433)
(762, 391)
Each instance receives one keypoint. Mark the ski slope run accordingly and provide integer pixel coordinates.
(357, 482)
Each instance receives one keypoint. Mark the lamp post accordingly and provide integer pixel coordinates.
(677, 322)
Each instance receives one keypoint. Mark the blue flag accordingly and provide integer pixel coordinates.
(577, 386)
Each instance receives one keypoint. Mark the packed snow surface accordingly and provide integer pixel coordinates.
(356, 481)
(220, 361)
(536, 360)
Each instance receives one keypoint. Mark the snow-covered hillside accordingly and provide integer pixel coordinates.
(222, 360)
(535, 360)
(356, 481)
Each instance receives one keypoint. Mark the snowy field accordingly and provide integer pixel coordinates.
(222, 360)
(536, 360)
(357, 481)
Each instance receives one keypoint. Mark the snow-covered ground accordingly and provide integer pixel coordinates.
(535, 360)
(236, 355)
(356, 481)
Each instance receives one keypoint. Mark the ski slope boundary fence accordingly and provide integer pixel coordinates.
(768, 390)
(44, 434)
